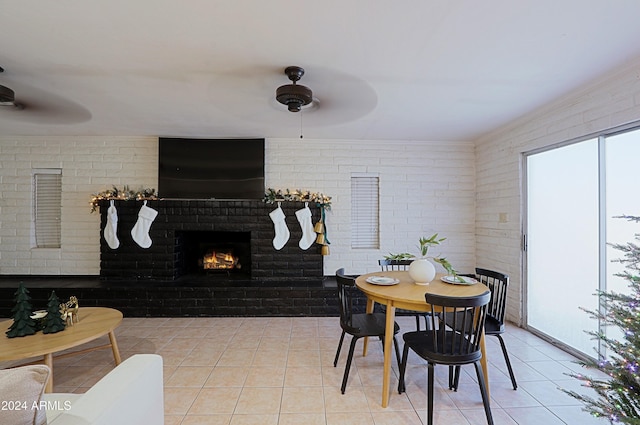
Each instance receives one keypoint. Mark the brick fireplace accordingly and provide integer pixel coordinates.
(160, 280)
(184, 229)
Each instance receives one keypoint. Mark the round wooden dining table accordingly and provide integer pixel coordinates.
(410, 296)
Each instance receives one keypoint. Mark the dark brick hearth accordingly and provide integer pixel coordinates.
(165, 299)
(165, 259)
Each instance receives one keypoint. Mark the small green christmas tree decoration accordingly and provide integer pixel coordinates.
(619, 395)
(23, 324)
(53, 321)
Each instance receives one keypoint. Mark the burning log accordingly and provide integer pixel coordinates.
(216, 260)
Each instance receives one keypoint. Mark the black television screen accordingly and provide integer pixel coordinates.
(211, 168)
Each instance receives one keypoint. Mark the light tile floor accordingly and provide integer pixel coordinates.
(238, 371)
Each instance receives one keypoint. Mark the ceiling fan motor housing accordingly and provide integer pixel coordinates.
(294, 96)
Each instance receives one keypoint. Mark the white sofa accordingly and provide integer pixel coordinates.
(131, 394)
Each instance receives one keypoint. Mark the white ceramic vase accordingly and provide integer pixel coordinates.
(422, 271)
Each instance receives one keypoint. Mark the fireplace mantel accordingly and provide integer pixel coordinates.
(162, 261)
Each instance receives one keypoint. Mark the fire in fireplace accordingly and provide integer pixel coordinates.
(213, 253)
(220, 260)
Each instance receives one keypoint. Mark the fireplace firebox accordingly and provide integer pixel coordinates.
(210, 253)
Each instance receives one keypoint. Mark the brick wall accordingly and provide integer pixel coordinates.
(89, 165)
(610, 101)
(159, 262)
(425, 187)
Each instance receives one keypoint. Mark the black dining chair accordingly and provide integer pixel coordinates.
(403, 265)
(498, 284)
(358, 325)
(453, 345)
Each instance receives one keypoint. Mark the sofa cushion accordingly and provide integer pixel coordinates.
(21, 390)
(131, 394)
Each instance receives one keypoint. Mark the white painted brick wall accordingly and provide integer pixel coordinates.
(89, 165)
(425, 187)
(611, 101)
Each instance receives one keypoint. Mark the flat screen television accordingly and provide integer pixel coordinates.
(211, 168)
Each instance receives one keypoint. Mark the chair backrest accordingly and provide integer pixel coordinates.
(498, 284)
(394, 265)
(459, 340)
(346, 288)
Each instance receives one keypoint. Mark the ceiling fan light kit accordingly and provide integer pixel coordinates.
(294, 96)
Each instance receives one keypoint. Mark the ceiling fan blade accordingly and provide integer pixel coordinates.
(38, 106)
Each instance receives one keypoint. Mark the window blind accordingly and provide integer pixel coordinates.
(47, 208)
(365, 214)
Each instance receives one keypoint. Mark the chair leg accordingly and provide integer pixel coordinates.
(403, 368)
(430, 379)
(506, 359)
(352, 348)
(454, 377)
(457, 379)
(335, 361)
(451, 377)
(483, 392)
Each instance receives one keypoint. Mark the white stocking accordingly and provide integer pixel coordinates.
(111, 229)
(308, 235)
(140, 232)
(282, 231)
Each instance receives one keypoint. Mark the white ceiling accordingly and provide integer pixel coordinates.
(403, 70)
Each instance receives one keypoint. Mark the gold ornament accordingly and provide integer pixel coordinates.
(69, 311)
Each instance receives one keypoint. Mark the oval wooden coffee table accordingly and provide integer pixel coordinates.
(93, 322)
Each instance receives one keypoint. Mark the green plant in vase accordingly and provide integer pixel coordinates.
(449, 268)
(421, 270)
(426, 243)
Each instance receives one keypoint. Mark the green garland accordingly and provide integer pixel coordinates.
(271, 196)
(124, 194)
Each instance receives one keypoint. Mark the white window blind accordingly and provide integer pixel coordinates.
(365, 211)
(47, 207)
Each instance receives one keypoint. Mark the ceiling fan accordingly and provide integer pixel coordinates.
(251, 93)
(294, 96)
(8, 96)
(39, 106)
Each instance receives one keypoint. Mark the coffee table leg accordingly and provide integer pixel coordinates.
(48, 360)
(114, 348)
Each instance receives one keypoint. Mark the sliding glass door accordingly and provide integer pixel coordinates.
(562, 241)
(573, 194)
